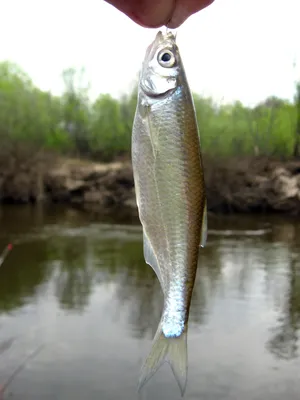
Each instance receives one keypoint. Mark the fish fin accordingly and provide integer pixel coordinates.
(172, 350)
(150, 257)
(204, 227)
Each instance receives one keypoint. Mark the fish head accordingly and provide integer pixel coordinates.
(161, 66)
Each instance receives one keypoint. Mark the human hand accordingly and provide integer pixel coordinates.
(156, 13)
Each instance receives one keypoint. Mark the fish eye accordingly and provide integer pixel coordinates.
(166, 58)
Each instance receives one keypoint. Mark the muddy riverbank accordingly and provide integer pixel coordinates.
(253, 185)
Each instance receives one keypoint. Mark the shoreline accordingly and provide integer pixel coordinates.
(256, 185)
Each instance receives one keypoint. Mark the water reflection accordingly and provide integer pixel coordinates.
(74, 260)
(72, 272)
(21, 275)
(284, 342)
(248, 275)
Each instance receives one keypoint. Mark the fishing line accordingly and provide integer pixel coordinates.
(20, 368)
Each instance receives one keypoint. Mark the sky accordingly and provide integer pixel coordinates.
(233, 50)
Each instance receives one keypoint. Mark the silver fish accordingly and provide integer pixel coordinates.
(170, 194)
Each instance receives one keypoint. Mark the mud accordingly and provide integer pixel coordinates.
(252, 185)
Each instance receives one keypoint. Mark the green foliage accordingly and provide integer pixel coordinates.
(27, 115)
(71, 124)
(230, 130)
(107, 119)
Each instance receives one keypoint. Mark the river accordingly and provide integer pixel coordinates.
(76, 288)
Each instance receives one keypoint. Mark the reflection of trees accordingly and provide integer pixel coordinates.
(83, 263)
(277, 254)
(96, 261)
(21, 275)
(284, 342)
(74, 276)
(140, 290)
(207, 280)
(75, 264)
(137, 288)
(72, 265)
(64, 262)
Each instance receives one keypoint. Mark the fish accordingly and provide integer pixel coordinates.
(170, 195)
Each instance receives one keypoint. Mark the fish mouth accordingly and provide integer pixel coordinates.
(167, 36)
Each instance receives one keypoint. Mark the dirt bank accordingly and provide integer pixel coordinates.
(256, 185)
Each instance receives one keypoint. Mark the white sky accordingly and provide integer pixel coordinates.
(234, 49)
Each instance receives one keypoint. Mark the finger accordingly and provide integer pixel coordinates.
(184, 9)
(148, 13)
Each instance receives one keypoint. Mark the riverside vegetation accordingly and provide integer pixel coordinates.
(69, 148)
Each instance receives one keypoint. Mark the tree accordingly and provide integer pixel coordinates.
(297, 133)
(75, 109)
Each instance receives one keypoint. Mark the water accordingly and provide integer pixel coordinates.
(77, 285)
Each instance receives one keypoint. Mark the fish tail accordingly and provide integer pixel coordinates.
(172, 350)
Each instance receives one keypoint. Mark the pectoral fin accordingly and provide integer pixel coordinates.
(204, 227)
(150, 257)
